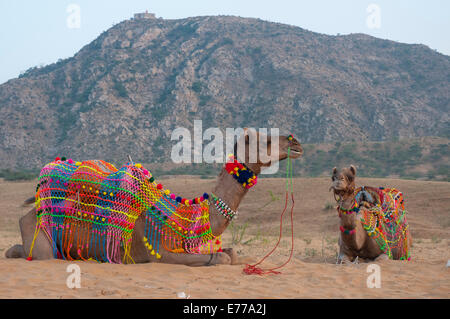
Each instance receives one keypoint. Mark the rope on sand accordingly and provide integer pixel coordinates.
(254, 269)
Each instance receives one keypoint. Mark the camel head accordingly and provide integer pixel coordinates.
(255, 157)
(343, 180)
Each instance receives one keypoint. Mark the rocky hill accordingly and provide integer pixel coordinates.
(127, 90)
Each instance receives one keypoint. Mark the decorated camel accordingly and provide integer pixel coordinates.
(373, 221)
(93, 211)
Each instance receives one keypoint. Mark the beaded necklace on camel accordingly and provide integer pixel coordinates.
(101, 204)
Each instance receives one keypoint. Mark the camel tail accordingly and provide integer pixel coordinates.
(28, 201)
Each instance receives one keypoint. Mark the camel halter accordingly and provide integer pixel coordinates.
(253, 269)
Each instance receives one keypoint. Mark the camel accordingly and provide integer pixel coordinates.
(226, 188)
(354, 240)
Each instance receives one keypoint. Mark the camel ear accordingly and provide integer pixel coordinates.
(249, 132)
(353, 170)
(333, 176)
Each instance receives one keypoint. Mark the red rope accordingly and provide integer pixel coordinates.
(253, 269)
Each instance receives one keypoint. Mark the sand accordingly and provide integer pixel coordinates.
(312, 272)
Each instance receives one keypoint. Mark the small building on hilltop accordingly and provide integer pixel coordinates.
(144, 15)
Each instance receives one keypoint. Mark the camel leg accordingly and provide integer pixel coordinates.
(196, 260)
(344, 256)
(42, 248)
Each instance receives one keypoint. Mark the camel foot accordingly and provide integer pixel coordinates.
(343, 259)
(15, 251)
(233, 255)
(382, 257)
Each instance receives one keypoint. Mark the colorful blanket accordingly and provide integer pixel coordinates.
(89, 210)
(386, 222)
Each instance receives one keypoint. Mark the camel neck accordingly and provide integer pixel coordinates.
(229, 190)
(346, 213)
(347, 202)
(232, 193)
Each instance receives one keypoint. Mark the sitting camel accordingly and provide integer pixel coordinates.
(372, 220)
(145, 242)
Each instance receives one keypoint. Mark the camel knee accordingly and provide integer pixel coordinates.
(15, 251)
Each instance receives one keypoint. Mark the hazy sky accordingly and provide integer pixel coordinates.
(38, 33)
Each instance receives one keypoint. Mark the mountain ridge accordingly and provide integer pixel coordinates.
(125, 92)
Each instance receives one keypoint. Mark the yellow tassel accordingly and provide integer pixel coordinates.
(36, 232)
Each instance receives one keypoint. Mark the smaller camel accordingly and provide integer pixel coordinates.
(370, 220)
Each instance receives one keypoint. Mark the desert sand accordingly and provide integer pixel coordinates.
(312, 273)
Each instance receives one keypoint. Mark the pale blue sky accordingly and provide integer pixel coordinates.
(35, 32)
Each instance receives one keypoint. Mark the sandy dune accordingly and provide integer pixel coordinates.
(312, 272)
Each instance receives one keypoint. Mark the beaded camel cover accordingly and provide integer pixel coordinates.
(88, 210)
(387, 224)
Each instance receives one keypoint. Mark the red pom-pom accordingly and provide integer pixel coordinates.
(159, 186)
(57, 159)
(29, 258)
